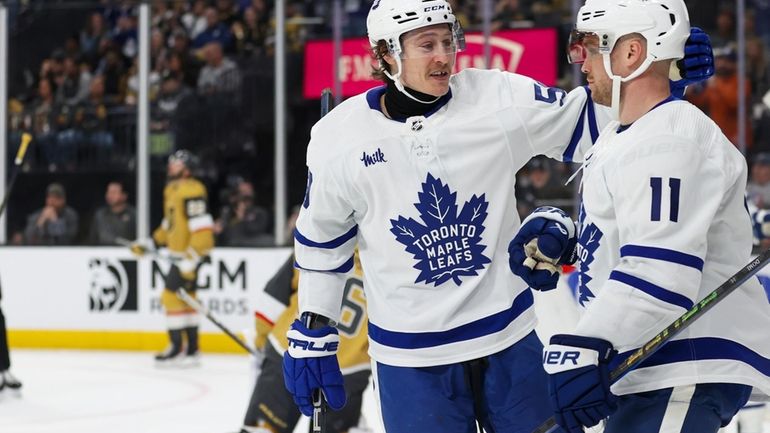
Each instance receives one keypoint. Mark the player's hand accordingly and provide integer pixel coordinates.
(546, 240)
(697, 64)
(579, 380)
(138, 249)
(177, 279)
(761, 222)
(310, 363)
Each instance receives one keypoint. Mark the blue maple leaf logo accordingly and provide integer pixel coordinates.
(446, 244)
(588, 242)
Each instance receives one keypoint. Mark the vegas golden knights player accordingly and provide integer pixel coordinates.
(186, 230)
(271, 409)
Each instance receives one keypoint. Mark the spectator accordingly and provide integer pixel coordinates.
(54, 224)
(90, 124)
(165, 113)
(158, 50)
(112, 70)
(195, 20)
(506, 12)
(758, 67)
(719, 98)
(74, 87)
(216, 31)
(92, 36)
(725, 31)
(53, 68)
(220, 76)
(539, 187)
(117, 219)
(46, 118)
(132, 84)
(460, 12)
(228, 11)
(182, 61)
(72, 46)
(758, 188)
(251, 33)
(243, 224)
(163, 17)
(125, 36)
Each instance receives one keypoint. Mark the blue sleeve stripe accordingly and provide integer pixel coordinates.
(334, 243)
(662, 254)
(569, 153)
(342, 269)
(592, 126)
(700, 349)
(652, 290)
(479, 328)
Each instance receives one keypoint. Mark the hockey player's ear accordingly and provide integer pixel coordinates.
(631, 51)
(389, 59)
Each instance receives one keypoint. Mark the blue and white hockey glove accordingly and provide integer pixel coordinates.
(546, 240)
(310, 363)
(697, 64)
(579, 380)
(761, 224)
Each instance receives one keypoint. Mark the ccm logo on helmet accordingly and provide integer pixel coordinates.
(434, 8)
(560, 358)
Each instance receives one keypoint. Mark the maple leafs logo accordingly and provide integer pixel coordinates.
(446, 244)
(588, 243)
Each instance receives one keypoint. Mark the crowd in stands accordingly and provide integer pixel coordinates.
(211, 92)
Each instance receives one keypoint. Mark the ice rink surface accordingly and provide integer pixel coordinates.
(124, 392)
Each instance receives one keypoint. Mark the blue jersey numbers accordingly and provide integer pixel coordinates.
(674, 186)
(549, 94)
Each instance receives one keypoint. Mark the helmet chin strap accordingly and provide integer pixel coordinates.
(617, 80)
(400, 86)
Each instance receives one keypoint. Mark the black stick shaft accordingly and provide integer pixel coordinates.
(189, 300)
(319, 402)
(680, 324)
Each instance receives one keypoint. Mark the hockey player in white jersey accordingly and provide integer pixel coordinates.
(662, 223)
(420, 173)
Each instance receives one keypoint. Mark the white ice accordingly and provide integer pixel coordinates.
(123, 392)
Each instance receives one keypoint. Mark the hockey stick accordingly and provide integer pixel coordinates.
(25, 140)
(679, 324)
(319, 402)
(189, 300)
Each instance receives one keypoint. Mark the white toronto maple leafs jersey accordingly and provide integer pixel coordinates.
(663, 223)
(430, 202)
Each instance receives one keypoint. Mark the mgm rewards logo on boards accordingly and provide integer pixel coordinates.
(112, 285)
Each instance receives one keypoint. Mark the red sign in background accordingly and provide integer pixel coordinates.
(530, 52)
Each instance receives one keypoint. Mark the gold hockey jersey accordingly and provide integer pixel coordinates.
(187, 222)
(278, 308)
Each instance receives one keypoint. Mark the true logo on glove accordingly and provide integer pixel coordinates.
(310, 345)
(560, 358)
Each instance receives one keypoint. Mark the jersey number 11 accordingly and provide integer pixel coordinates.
(674, 185)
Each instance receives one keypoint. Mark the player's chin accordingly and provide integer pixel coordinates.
(439, 87)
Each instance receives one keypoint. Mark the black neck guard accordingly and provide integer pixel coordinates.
(400, 106)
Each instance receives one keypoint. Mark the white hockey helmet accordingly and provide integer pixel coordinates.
(665, 25)
(388, 20)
